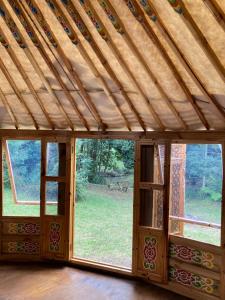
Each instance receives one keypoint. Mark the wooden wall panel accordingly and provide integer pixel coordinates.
(20, 238)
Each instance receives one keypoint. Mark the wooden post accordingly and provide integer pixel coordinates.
(222, 283)
(62, 173)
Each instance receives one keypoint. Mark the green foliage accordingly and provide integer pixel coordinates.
(97, 159)
(204, 172)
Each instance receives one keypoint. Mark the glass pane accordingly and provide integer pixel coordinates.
(55, 198)
(21, 175)
(152, 163)
(56, 159)
(196, 190)
(104, 201)
(151, 208)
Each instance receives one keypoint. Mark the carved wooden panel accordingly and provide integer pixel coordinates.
(193, 280)
(21, 228)
(151, 256)
(23, 246)
(54, 241)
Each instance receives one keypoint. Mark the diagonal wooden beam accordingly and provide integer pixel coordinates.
(90, 11)
(187, 18)
(5, 43)
(216, 11)
(5, 149)
(140, 17)
(75, 16)
(83, 93)
(21, 42)
(120, 28)
(58, 10)
(54, 53)
(34, 38)
(17, 92)
(9, 109)
(152, 14)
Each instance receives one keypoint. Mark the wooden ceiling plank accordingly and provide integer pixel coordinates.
(140, 16)
(17, 92)
(31, 32)
(120, 28)
(21, 42)
(153, 15)
(216, 11)
(9, 109)
(88, 37)
(5, 43)
(59, 10)
(187, 18)
(90, 11)
(82, 92)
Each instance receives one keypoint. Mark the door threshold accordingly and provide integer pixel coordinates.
(101, 266)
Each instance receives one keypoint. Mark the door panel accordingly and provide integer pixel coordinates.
(56, 197)
(151, 210)
(151, 253)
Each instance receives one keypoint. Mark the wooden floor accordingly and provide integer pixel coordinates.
(28, 282)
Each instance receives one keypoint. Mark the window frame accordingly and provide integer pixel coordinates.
(3, 140)
(187, 240)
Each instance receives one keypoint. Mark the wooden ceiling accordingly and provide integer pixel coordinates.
(112, 64)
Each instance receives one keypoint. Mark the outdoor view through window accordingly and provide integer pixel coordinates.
(196, 191)
(104, 201)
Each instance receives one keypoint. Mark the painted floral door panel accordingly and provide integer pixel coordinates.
(54, 238)
(151, 200)
(151, 254)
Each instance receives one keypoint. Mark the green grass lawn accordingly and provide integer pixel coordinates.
(103, 226)
(205, 210)
(12, 209)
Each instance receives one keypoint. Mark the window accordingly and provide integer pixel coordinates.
(21, 177)
(196, 191)
(55, 187)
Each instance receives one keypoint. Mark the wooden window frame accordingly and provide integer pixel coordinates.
(201, 223)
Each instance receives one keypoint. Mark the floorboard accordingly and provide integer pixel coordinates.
(35, 282)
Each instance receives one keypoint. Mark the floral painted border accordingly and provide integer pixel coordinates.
(54, 237)
(207, 285)
(24, 228)
(26, 246)
(191, 255)
(150, 253)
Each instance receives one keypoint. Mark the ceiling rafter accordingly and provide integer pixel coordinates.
(31, 32)
(90, 11)
(57, 9)
(9, 109)
(17, 92)
(140, 17)
(18, 36)
(56, 57)
(216, 11)
(89, 38)
(154, 17)
(180, 8)
(10, 51)
(82, 92)
(117, 23)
